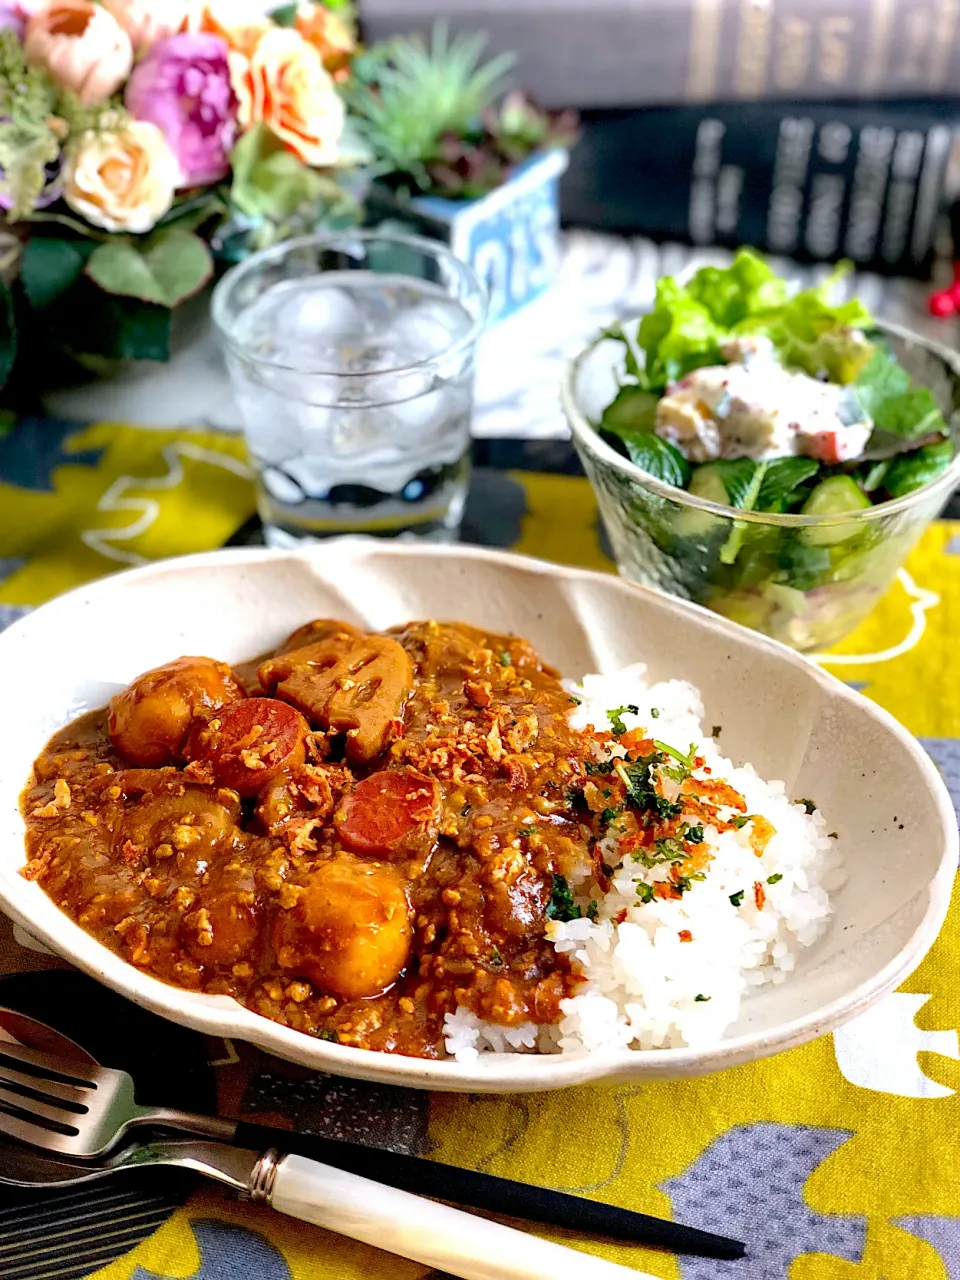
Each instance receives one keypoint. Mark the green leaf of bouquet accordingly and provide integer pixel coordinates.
(270, 182)
(285, 16)
(49, 267)
(165, 270)
(138, 330)
(8, 333)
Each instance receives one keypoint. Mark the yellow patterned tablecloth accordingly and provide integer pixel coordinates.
(837, 1161)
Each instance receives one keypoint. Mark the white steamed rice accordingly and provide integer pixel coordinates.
(642, 982)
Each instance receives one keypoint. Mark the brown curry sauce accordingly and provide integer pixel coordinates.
(364, 842)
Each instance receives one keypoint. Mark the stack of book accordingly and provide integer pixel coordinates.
(815, 128)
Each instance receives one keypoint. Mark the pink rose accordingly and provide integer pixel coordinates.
(183, 87)
(82, 46)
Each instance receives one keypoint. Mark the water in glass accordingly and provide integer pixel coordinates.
(355, 392)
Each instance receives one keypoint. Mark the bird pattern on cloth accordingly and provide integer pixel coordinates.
(229, 1252)
(749, 1183)
(835, 1161)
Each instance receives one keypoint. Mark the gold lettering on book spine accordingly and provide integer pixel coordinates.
(706, 20)
(794, 42)
(753, 48)
(945, 33)
(878, 44)
(833, 48)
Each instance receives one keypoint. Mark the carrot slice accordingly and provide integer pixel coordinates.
(385, 810)
(248, 743)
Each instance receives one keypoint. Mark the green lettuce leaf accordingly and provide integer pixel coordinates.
(731, 548)
(737, 476)
(885, 391)
(816, 335)
(782, 478)
(678, 335)
(748, 287)
(653, 454)
(913, 470)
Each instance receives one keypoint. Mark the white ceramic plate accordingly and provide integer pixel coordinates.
(874, 783)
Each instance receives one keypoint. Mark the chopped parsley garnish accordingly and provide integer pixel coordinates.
(606, 793)
(809, 805)
(833, 835)
(561, 905)
(505, 659)
(684, 765)
(645, 892)
(700, 999)
(642, 795)
(616, 717)
(496, 960)
(593, 910)
(774, 879)
(693, 835)
(328, 1035)
(609, 815)
(683, 883)
(598, 766)
(526, 831)
(716, 731)
(740, 820)
(576, 701)
(737, 898)
(668, 849)
(655, 713)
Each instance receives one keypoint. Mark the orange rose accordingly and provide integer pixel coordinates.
(239, 22)
(283, 84)
(329, 35)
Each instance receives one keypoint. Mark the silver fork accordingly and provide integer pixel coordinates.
(46, 1103)
(80, 1110)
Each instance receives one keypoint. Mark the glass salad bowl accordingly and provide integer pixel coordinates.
(804, 579)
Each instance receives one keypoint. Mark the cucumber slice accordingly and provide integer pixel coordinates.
(834, 497)
(706, 482)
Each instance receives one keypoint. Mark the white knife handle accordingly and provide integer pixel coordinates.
(424, 1231)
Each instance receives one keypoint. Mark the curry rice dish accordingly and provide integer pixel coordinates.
(424, 842)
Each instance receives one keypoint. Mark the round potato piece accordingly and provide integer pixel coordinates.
(350, 931)
(224, 929)
(149, 720)
(193, 828)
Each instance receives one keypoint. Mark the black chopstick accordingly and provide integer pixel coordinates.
(492, 1194)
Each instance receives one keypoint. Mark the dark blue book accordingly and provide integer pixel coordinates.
(816, 181)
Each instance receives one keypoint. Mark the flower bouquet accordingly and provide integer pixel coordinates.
(139, 139)
(144, 141)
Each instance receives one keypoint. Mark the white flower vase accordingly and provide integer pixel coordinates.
(510, 237)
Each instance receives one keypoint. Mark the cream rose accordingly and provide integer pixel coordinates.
(284, 85)
(82, 46)
(122, 180)
(147, 21)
